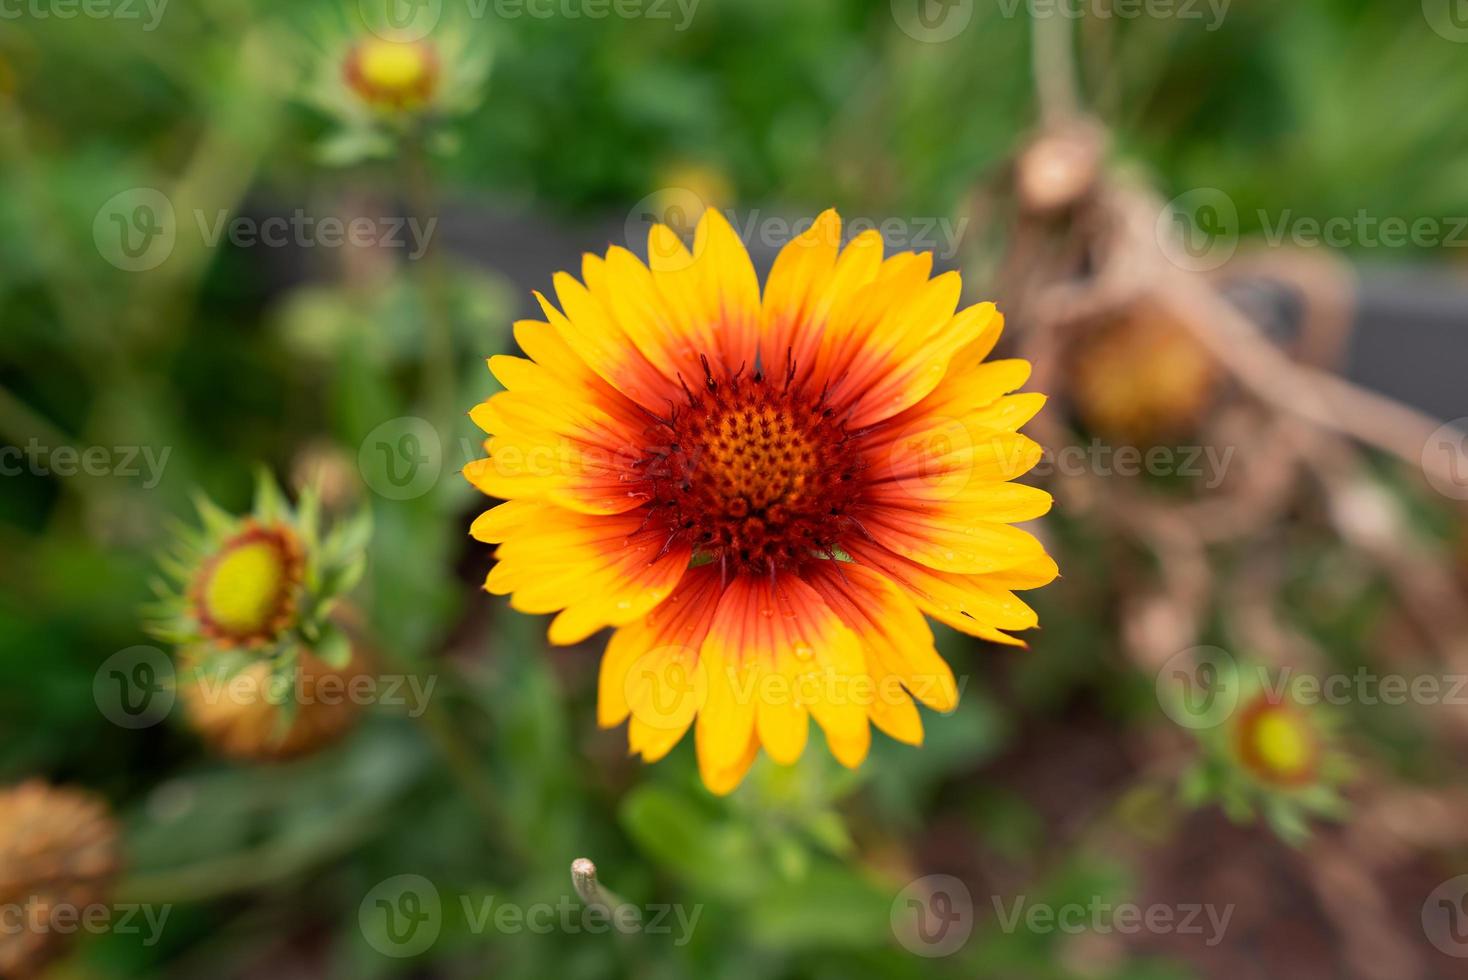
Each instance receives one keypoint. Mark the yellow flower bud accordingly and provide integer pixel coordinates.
(393, 75)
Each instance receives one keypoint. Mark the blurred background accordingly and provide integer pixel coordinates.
(238, 234)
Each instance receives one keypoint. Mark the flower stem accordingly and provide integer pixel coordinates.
(438, 359)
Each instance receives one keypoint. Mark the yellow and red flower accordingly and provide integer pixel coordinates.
(390, 74)
(763, 494)
(245, 594)
(1277, 743)
(255, 609)
(262, 584)
(381, 88)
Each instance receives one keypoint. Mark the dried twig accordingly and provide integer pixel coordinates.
(624, 916)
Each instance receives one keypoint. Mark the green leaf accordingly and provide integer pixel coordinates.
(334, 648)
(792, 860)
(344, 578)
(217, 521)
(353, 146)
(308, 517)
(689, 839)
(830, 906)
(270, 503)
(1287, 820)
(348, 539)
(1196, 786)
(828, 829)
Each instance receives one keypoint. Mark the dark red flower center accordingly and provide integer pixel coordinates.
(754, 473)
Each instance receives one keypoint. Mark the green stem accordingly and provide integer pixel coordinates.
(439, 372)
(449, 737)
(246, 870)
(80, 315)
(18, 421)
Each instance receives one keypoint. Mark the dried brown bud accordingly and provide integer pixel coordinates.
(243, 716)
(58, 850)
(1141, 378)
